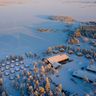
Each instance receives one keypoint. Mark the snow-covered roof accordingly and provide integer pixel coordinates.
(58, 58)
(85, 74)
(92, 68)
(56, 65)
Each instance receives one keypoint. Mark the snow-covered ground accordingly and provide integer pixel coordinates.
(19, 21)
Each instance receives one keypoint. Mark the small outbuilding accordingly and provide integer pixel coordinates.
(92, 68)
(85, 75)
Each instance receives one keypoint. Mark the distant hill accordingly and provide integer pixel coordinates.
(4, 2)
(80, 1)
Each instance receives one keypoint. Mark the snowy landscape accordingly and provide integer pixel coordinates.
(47, 48)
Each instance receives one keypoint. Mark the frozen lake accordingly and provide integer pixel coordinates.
(18, 18)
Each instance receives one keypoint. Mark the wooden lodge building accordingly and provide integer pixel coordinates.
(58, 60)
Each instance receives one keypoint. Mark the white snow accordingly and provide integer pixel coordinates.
(18, 34)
